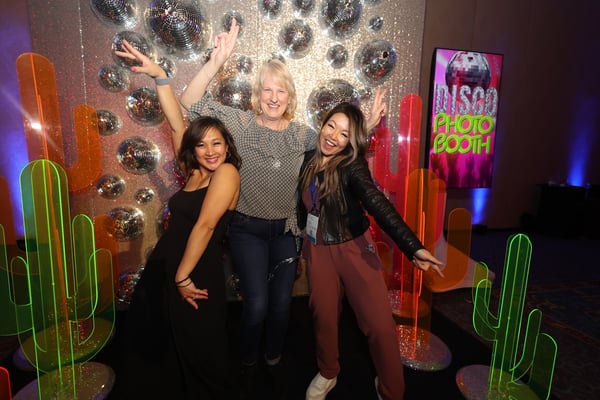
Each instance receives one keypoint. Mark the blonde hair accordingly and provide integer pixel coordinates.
(280, 72)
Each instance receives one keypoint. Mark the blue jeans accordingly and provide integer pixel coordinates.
(265, 259)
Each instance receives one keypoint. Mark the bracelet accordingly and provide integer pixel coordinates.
(162, 81)
(187, 284)
(183, 280)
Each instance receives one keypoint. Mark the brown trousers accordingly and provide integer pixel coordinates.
(353, 269)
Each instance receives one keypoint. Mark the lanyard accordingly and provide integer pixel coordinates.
(313, 196)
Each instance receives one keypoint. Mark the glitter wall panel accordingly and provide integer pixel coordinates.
(340, 49)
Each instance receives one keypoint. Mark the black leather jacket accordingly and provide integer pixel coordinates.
(360, 193)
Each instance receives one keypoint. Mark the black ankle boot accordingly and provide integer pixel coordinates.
(277, 381)
(251, 382)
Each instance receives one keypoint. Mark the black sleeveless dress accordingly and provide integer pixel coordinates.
(180, 352)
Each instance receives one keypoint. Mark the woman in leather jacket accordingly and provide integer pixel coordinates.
(337, 191)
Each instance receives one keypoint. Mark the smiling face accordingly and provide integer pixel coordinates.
(274, 98)
(211, 150)
(335, 135)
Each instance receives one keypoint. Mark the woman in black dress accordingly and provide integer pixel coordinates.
(176, 332)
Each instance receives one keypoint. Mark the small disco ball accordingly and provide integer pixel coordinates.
(468, 68)
(340, 18)
(113, 78)
(110, 186)
(138, 155)
(374, 61)
(337, 56)
(270, 9)
(144, 195)
(322, 99)
(138, 41)
(142, 106)
(296, 38)
(180, 26)
(234, 92)
(125, 223)
(116, 12)
(109, 123)
(303, 8)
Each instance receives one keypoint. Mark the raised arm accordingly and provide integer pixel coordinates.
(166, 96)
(223, 47)
(378, 109)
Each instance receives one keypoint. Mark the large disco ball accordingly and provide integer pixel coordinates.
(138, 155)
(178, 25)
(115, 12)
(374, 61)
(234, 92)
(468, 68)
(340, 18)
(296, 38)
(136, 40)
(325, 97)
(125, 223)
(142, 106)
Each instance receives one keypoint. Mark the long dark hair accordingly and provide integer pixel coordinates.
(194, 133)
(357, 147)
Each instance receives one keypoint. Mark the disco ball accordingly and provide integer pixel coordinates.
(144, 195)
(127, 284)
(234, 92)
(337, 56)
(138, 155)
(109, 123)
(113, 78)
(125, 223)
(163, 219)
(468, 68)
(116, 12)
(340, 18)
(374, 61)
(376, 23)
(303, 8)
(244, 64)
(270, 8)
(327, 96)
(143, 107)
(372, 2)
(110, 186)
(226, 21)
(136, 40)
(168, 65)
(179, 26)
(295, 38)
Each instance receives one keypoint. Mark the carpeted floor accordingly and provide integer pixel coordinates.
(564, 283)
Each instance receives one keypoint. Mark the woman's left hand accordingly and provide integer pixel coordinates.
(378, 109)
(190, 293)
(424, 261)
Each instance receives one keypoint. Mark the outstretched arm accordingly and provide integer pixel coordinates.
(166, 96)
(223, 47)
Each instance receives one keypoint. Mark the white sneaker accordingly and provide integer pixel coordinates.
(377, 388)
(319, 387)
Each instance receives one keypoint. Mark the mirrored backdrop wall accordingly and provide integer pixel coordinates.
(336, 50)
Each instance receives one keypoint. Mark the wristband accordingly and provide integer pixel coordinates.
(162, 81)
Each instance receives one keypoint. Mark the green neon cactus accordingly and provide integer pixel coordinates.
(508, 370)
(70, 295)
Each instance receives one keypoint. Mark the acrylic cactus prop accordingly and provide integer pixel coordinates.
(70, 287)
(517, 371)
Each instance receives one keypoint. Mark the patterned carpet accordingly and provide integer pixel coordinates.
(564, 283)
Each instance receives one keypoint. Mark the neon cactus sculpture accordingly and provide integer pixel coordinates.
(70, 297)
(508, 369)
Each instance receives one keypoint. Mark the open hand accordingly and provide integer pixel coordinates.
(147, 66)
(424, 261)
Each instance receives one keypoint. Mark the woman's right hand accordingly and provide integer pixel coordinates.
(147, 66)
(190, 293)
